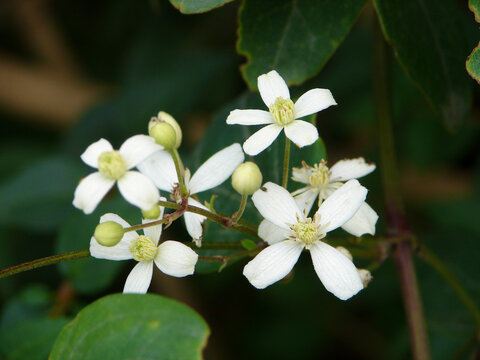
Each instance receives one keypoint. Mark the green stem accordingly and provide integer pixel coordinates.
(434, 261)
(181, 184)
(238, 214)
(55, 259)
(397, 225)
(286, 161)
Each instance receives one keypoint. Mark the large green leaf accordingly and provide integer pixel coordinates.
(294, 37)
(474, 5)
(197, 6)
(269, 161)
(133, 327)
(473, 61)
(431, 46)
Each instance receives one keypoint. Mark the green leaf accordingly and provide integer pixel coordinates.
(431, 46)
(269, 161)
(41, 196)
(473, 61)
(474, 6)
(30, 339)
(197, 6)
(133, 327)
(294, 37)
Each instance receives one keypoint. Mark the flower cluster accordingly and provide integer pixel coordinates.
(287, 228)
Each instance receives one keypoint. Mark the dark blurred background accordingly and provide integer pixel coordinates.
(72, 72)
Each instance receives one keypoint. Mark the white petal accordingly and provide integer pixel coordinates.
(262, 139)
(302, 133)
(218, 168)
(90, 191)
(313, 101)
(339, 207)
(276, 205)
(272, 86)
(336, 272)
(273, 263)
(301, 175)
(249, 117)
(176, 259)
(127, 237)
(153, 232)
(91, 155)
(345, 170)
(306, 200)
(194, 221)
(138, 190)
(363, 222)
(139, 279)
(272, 233)
(137, 148)
(160, 168)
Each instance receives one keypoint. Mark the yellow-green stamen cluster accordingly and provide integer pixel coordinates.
(307, 232)
(112, 164)
(283, 111)
(319, 176)
(143, 249)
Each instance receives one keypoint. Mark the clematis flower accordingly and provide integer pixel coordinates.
(114, 166)
(171, 257)
(335, 270)
(282, 114)
(322, 182)
(161, 169)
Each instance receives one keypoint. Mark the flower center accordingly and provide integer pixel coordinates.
(283, 111)
(306, 232)
(143, 249)
(112, 164)
(320, 176)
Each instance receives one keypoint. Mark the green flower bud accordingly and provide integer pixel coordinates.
(247, 178)
(108, 233)
(164, 134)
(165, 117)
(153, 213)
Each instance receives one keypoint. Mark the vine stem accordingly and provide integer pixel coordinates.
(238, 214)
(396, 221)
(176, 161)
(286, 163)
(54, 259)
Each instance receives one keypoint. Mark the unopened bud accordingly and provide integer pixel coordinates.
(164, 134)
(345, 252)
(167, 118)
(247, 178)
(366, 276)
(108, 233)
(153, 213)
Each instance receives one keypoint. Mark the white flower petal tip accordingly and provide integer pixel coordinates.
(272, 264)
(137, 148)
(276, 205)
(176, 259)
(93, 151)
(336, 272)
(271, 233)
(139, 279)
(138, 190)
(272, 86)
(218, 168)
(344, 170)
(302, 133)
(262, 139)
(90, 191)
(313, 101)
(363, 222)
(249, 117)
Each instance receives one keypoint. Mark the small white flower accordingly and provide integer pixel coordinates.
(297, 232)
(171, 257)
(114, 166)
(282, 114)
(322, 182)
(161, 169)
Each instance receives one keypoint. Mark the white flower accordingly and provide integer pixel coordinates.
(322, 182)
(171, 257)
(161, 169)
(297, 232)
(282, 114)
(114, 166)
